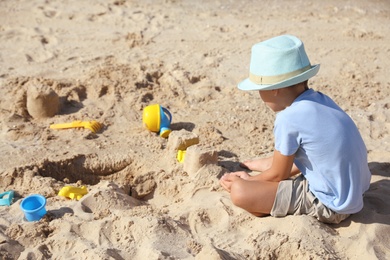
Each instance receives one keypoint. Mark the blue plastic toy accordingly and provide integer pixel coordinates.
(34, 207)
(6, 198)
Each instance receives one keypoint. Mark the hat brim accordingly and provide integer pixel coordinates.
(249, 85)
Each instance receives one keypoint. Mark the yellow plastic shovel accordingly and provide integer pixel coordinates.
(94, 126)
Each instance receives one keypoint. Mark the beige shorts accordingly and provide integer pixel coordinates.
(294, 198)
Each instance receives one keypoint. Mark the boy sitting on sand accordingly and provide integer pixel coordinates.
(313, 136)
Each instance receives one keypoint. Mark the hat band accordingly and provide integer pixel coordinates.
(267, 80)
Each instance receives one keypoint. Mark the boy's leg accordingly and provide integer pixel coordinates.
(256, 197)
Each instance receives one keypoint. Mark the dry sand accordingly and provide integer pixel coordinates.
(107, 60)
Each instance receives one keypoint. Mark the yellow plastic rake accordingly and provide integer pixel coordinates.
(94, 126)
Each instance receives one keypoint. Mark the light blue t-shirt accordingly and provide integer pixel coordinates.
(328, 148)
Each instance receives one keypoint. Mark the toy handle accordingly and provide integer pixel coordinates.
(169, 113)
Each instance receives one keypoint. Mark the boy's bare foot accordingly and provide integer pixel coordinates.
(243, 165)
(254, 165)
(258, 164)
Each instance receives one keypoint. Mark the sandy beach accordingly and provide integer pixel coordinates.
(108, 60)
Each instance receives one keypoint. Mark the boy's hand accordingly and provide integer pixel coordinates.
(227, 180)
(241, 174)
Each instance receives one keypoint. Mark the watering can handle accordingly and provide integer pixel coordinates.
(169, 113)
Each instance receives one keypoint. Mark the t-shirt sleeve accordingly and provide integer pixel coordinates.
(287, 140)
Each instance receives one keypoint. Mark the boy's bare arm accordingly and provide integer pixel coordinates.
(282, 167)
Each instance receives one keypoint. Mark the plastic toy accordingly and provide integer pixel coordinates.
(34, 207)
(94, 126)
(73, 192)
(6, 198)
(181, 155)
(157, 119)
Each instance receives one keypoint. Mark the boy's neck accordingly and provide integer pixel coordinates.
(291, 93)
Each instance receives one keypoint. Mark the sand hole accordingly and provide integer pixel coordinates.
(89, 169)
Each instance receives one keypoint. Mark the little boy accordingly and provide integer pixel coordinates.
(315, 141)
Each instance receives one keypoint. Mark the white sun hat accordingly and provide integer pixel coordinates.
(278, 63)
